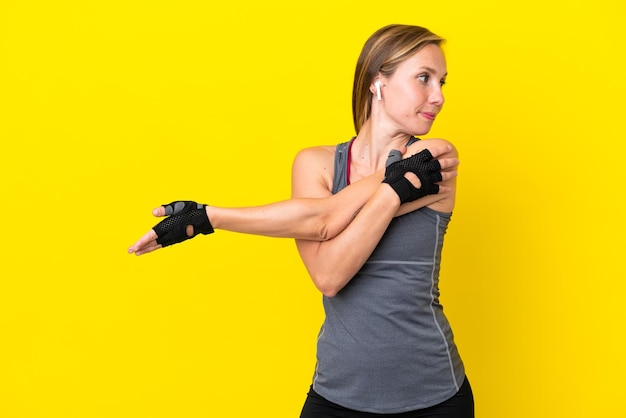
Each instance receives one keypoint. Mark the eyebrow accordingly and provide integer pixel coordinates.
(431, 70)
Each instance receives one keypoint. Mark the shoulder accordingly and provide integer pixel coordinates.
(313, 170)
(315, 155)
(431, 143)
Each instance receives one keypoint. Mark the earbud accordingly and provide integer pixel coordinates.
(377, 85)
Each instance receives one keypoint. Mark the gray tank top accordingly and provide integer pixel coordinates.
(385, 346)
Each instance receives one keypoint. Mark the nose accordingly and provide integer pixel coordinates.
(436, 96)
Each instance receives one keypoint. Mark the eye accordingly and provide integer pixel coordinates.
(423, 78)
(442, 82)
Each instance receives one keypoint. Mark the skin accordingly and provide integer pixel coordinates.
(335, 234)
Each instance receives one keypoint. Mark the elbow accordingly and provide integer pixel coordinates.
(323, 231)
(329, 286)
(330, 292)
(329, 228)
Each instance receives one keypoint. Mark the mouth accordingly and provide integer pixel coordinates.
(428, 115)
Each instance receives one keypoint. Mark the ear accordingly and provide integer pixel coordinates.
(373, 85)
(378, 88)
(377, 84)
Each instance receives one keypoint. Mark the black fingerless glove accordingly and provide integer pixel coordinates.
(422, 164)
(182, 213)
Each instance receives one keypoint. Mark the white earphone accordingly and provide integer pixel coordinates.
(377, 85)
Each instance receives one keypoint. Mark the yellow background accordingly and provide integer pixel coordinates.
(108, 108)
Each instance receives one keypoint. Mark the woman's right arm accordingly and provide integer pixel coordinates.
(324, 216)
(308, 218)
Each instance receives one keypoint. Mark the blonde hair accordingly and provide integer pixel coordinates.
(387, 48)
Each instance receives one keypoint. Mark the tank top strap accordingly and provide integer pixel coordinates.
(341, 177)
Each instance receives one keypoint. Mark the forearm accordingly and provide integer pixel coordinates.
(294, 218)
(316, 219)
(332, 264)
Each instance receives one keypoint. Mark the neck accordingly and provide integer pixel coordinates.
(371, 149)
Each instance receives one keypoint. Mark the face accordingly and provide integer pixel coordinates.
(412, 95)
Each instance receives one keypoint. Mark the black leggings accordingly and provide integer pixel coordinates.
(460, 405)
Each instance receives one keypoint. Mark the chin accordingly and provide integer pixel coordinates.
(420, 132)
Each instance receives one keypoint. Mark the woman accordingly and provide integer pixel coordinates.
(373, 249)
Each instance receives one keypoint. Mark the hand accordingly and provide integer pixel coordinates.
(427, 169)
(186, 220)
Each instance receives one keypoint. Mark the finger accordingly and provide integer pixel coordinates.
(148, 249)
(177, 207)
(144, 241)
(160, 211)
(445, 176)
(439, 150)
(448, 163)
(448, 175)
